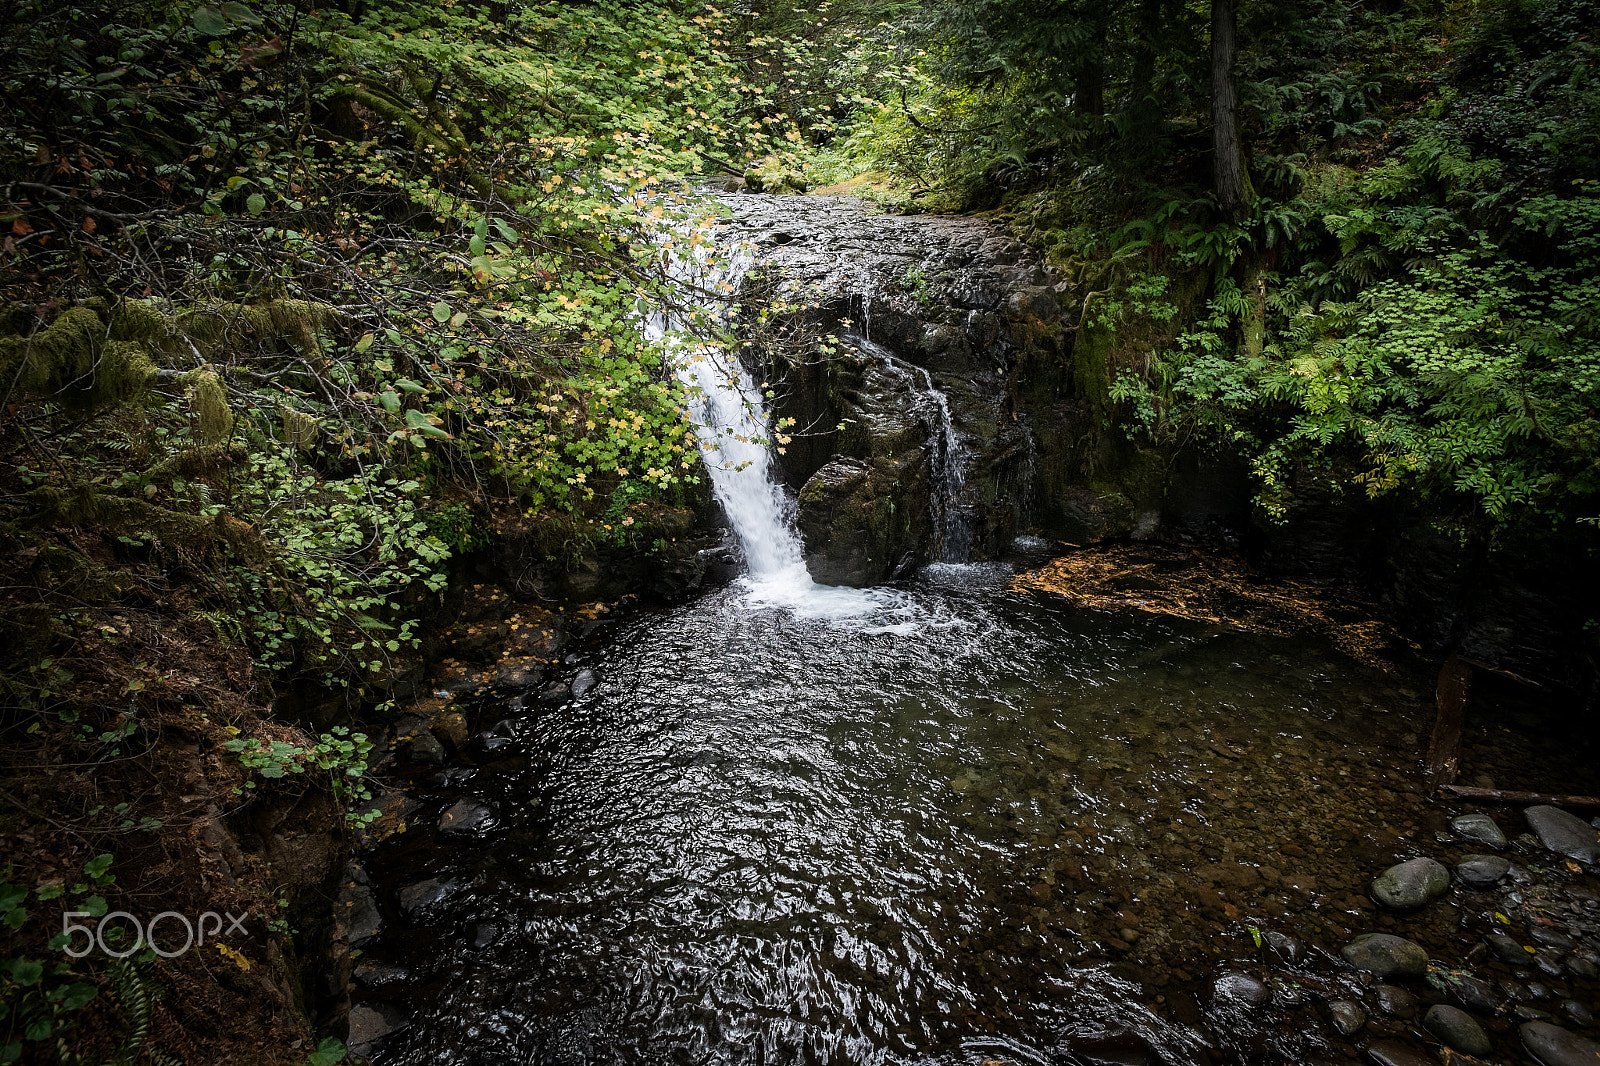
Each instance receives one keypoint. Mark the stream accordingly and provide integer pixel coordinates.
(940, 821)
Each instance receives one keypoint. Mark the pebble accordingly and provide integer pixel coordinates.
(1480, 829)
(1476, 994)
(1582, 967)
(1555, 1046)
(584, 682)
(1509, 951)
(1394, 1053)
(1396, 1001)
(1408, 885)
(1482, 871)
(1564, 833)
(1386, 955)
(1285, 950)
(1550, 938)
(1347, 1017)
(1241, 988)
(1458, 1029)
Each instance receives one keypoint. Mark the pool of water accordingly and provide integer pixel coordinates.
(966, 824)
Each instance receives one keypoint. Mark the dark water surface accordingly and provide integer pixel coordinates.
(975, 825)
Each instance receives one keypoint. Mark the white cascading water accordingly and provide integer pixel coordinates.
(730, 416)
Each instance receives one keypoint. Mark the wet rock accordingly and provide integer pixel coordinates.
(485, 934)
(1579, 966)
(468, 820)
(1555, 1046)
(1241, 988)
(849, 510)
(1458, 1029)
(1395, 1001)
(1508, 951)
(555, 693)
(585, 681)
(499, 736)
(1386, 955)
(1476, 994)
(1347, 1017)
(1564, 833)
(1282, 949)
(1482, 871)
(1410, 884)
(1113, 1048)
(1480, 829)
(1576, 1013)
(424, 749)
(451, 729)
(370, 1025)
(1552, 938)
(1394, 1053)
(1525, 1012)
(375, 976)
(518, 675)
(452, 777)
(423, 900)
(363, 921)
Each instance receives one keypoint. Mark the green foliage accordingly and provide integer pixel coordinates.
(340, 754)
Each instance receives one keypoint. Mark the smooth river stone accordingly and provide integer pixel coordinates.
(1554, 1046)
(1396, 1001)
(1482, 871)
(1394, 1053)
(1348, 1017)
(1480, 829)
(1408, 885)
(1386, 955)
(1458, 1029)
(1564, 833)
(1241, 988)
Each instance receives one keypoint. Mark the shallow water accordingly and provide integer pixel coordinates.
(967, 824)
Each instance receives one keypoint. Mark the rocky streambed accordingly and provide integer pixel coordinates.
(977, 823)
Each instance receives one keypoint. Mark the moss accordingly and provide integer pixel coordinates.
(75, 358)
(208, 403)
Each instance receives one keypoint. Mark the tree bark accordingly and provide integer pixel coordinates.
(1234, 194)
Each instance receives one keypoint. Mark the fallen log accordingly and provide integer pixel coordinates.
(1501, 795)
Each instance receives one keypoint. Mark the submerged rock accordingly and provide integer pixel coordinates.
(585, 681)
(1386, 955)
(1564, 833)
(1482, 871)
(370, 1025)
(1410, 884)
(1395, 1001)
(1458, 1029)
(422, 900)
(1394, 1053)
(1480, 829)
(467, 819)
(1555, 1046)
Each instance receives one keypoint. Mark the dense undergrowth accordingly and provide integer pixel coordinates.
(300, 300)
(1405, 304)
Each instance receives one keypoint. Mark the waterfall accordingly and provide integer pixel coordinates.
(733, 426)
(947, 456)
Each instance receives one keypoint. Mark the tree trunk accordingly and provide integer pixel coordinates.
(1234, 194)
(1144, 116)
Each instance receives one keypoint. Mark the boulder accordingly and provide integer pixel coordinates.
(1555, 1046)
(1564, 833)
